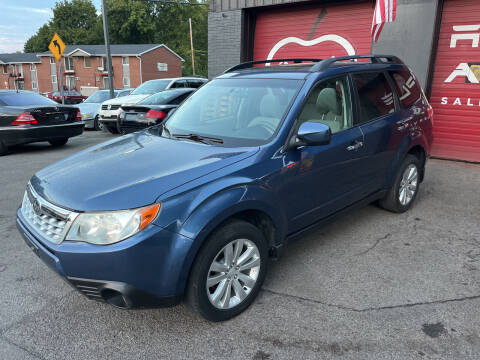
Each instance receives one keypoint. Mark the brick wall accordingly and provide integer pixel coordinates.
(160, 55)
(224, 40)
(7, 82)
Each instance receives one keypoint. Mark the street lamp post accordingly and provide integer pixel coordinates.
(107, 48)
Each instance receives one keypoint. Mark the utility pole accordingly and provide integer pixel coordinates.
(191, 45)
(107, 48)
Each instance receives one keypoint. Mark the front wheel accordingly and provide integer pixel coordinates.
(112, 129)
(58, 142)
(229, 271)
(97, 124)
(405, 188)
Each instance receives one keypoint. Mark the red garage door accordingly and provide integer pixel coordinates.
(456, 83)
(315, 31)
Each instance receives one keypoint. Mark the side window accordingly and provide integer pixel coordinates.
(179, 84)
(407, 86)
(329, 103)
(375, 95)
(194, 83)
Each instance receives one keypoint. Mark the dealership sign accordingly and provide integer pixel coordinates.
(467, 72)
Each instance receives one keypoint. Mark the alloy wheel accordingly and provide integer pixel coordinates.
(408, 185)
(233, 273)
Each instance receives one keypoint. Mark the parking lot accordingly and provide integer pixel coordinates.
(372, 285)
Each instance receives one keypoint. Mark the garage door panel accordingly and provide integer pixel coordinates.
(456, 83)
(318, 31)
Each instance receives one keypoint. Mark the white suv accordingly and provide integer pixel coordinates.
(110, 109)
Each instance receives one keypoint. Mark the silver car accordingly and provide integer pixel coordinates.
(91, 106)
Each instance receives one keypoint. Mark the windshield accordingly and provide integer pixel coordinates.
(98, 97)
(162, 97)
(25, 98)
(239, 111)
(151, 87)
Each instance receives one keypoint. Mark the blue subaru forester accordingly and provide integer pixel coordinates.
(194, 207)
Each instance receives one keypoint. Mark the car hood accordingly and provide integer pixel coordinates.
(129, 99)
(130, 171)
(88, 108)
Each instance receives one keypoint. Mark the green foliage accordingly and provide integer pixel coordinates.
(130, 22)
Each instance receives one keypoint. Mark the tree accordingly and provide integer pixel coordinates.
(76, 22)
(130, 22)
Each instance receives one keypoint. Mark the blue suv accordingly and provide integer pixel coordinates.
(194, 207)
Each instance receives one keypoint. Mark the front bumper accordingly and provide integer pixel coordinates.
(145, 270)
(15, 135)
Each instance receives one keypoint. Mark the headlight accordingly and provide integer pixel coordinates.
(105, 228)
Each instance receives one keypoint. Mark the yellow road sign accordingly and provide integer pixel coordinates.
(57, 47)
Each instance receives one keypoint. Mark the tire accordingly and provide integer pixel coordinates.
(58, 142)
(97, 125)
(112, 129)
(393, 201)
(201, 298)
(3, 149)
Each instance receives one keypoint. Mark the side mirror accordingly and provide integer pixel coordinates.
(312, 134)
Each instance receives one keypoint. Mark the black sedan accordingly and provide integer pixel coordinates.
(27, 117)
(151, 110)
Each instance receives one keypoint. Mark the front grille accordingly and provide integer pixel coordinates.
(47, 219)
(104, 107)
(114, 107)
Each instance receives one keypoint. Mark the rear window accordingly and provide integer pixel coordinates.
(151, 87)
(375, 95)
(162, 98)
(24, 99)
(407, 86)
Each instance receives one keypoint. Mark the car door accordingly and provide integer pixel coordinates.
(376, 115)
(320, 180)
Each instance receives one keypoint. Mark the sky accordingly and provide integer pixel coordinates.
(21, 19)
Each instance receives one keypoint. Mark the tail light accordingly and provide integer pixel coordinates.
(78, 117)
(155, 114)
(24, 119)
(430, 113)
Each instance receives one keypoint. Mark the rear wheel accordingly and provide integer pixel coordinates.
(228, 272)
(58, 142)
(405, 188)
(3, 149)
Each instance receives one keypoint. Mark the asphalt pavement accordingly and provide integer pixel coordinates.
(373, 285)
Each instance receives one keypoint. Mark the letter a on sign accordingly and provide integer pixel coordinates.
(57, 47)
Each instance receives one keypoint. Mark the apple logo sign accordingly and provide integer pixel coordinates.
(295, 40)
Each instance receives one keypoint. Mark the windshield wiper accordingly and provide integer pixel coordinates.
(203, 139)
(164, 127)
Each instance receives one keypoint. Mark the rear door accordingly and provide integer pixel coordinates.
(376, 115)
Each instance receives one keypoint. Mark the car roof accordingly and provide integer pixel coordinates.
(11, 91)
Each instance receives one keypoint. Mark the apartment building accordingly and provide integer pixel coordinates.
(84, 67)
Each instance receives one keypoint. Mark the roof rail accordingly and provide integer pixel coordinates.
(250, 64)
(325, 64)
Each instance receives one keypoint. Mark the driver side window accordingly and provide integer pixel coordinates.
(329, 103)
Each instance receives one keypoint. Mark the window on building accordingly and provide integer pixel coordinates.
(5, 69)
(104, 63)
(19, 70)
(407, 87)
(126, 72)
(70, 82)
(33, 76)
(86, 61)
(52, 60)
(125, 60)
(54, 83)
(20, 85)
(106, 84)
(68, 64)
(375, 95)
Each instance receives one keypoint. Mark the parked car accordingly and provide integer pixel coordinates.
(110, 110)
(70, 96)
(91, 106)
(151, 110)
(27, 117)
(254, 158)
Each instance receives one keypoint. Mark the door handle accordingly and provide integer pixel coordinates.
(356, 146)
